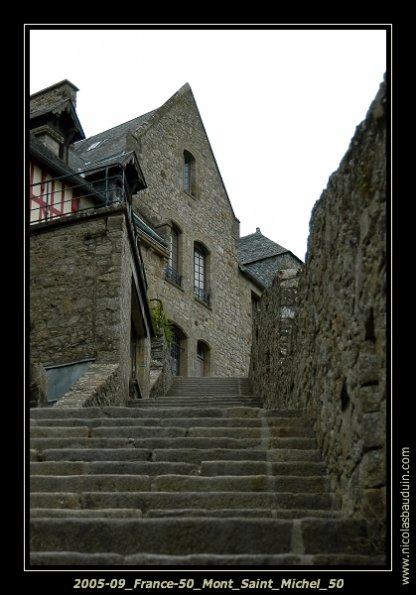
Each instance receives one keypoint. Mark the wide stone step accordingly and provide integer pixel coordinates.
(168, 431)
(186, 412)
(218, 422)
(208, 535)
(146, 501)
(204, 468)
(177, 483)
(181, 512)
(185, 455)
(179, 442)
(244, 560)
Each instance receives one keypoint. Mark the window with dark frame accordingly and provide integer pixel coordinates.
(200, 274)
(189, 173)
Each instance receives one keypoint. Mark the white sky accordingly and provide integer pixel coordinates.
(279, 106)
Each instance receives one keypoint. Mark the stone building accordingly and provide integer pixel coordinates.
(206, 294)
(160, 170)
(89, 311)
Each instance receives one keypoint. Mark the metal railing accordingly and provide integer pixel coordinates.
(52, 198)
(173, 276)
(202, 295)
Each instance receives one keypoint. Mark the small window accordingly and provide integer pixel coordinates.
(189, 173)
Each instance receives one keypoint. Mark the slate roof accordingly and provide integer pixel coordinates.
(256, 247)
(260, 258)
(110, 141)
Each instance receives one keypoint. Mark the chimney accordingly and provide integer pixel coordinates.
(51, 95)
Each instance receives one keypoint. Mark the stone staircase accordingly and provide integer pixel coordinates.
(202, 477)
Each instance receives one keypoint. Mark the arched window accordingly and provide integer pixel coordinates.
(201, 273)
(202, 359)
(189, 173)
(173, 268)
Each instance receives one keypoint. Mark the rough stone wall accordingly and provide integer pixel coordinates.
(335, 368)
(206, 217)
(38, 388)
(161, 371)
(272, 339)
(80, 292)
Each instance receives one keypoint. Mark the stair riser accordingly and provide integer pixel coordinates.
(218, 422)
(117, 412)
(167, 432)
(186, 536)
(206, 468)
(176, 483)
(173, 537)
(146, 501)
(193, 456)
(191, 442)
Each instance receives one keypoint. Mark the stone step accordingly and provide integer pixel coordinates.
(244, 560)
(204, 468)
(199, 535)
(181, 512)
(186, 412)
(168, 432)
(112, 468)
(185, 455)
(177, 483)
(198, 402)
(177, 443)
(218, 422)
(146, 500)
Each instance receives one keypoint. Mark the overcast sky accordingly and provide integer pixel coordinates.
(279, 106)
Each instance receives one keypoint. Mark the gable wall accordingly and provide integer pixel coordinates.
(205, 218)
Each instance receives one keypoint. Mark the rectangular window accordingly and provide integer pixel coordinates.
(200, 276)
(199, 270)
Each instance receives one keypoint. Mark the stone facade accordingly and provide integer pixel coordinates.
(83, 288)
(205, 217)
(335, 365)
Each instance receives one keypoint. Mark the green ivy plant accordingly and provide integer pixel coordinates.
(162, 324)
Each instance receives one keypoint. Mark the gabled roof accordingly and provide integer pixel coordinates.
(57, 108)
(115, 139)
(256, 246)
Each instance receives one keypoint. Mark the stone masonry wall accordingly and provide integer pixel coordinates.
(272, 338)
(335, 368)
(81, 274)
(207, 218)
